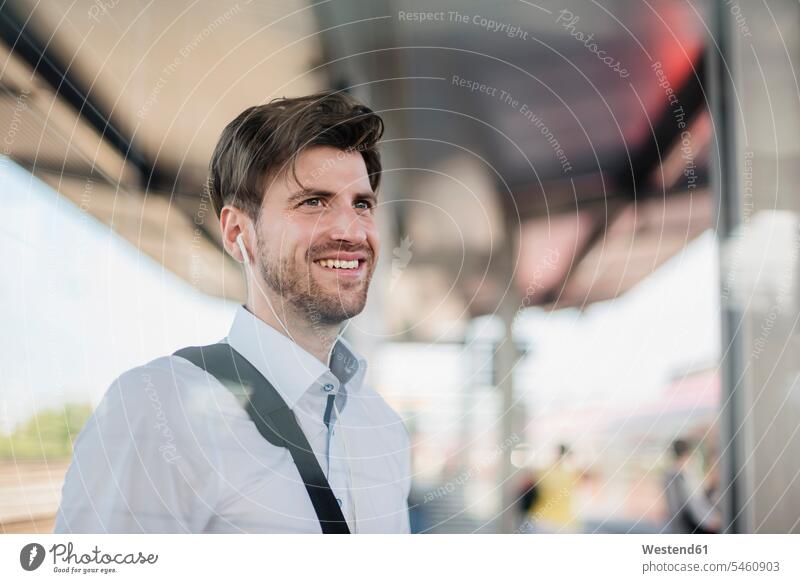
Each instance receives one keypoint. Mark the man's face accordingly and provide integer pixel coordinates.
(317, 240)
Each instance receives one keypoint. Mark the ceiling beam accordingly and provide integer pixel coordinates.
(17, 34)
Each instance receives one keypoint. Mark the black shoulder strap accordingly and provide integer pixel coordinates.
(274, 421)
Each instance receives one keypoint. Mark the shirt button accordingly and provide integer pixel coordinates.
(339, 500)
(328, 387)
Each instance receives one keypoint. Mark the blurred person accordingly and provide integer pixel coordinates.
(281, 435)
(527, 497)
(689, 507)
(553, 510)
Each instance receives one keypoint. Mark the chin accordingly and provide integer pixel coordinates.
(347, 311)
(332, 310)
(335, 302)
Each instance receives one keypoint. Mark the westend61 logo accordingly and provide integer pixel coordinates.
(65, 560)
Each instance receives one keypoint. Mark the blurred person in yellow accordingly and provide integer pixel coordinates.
(553, 511)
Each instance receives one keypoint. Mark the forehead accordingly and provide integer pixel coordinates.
(328, 168)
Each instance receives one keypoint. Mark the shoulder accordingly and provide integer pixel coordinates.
(167, 407)
(146, 460)
(168, 386)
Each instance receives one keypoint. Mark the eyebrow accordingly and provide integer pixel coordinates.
(326, 194)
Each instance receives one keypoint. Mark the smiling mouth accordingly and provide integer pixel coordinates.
(341, 264)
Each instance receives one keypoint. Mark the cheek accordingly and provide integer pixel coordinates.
(298, 235)
(303, 228)
(277, 241)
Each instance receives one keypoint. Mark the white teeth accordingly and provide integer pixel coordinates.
(339, 264)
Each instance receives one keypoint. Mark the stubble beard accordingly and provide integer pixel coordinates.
(296, 286)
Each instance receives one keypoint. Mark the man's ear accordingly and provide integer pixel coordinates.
(234, 222)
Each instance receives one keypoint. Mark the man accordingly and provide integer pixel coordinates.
(170, 448)
(688, 507)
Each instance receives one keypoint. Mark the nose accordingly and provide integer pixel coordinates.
(347, 225)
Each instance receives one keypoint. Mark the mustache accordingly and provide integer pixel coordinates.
(322, 250)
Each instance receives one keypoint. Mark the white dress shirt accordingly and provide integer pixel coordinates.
(170, 449)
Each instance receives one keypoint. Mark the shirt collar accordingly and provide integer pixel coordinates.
(290, 368)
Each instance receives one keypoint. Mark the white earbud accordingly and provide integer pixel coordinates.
(243, 249)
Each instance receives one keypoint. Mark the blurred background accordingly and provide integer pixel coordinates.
(590, 228)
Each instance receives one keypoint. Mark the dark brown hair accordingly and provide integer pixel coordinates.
(264, 140)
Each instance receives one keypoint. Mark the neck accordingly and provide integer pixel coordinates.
(313, 337)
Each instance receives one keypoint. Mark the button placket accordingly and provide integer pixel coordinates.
(328, 388)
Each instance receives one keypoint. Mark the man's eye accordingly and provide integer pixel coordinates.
(364, 204)
(312, 202)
